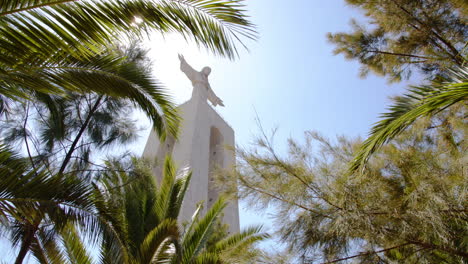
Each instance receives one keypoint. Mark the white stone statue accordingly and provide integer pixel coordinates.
(201, 86)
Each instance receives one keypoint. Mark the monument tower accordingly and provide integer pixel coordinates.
(201, 146)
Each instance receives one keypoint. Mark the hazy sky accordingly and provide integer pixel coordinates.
(290, 76)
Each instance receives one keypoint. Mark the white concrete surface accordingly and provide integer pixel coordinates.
(205, 142)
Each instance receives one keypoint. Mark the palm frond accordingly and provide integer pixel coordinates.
(43, 40)
(114, 245)
(419, 102)
(165, 189)
(245, 238)
(38, 251)
(179, 189)
(193, 242)
(74, 246)
(207, 258)
(31, 198)
(217, 25)
(171, 190)
(155, 241)
(105, 74)
(52, 248)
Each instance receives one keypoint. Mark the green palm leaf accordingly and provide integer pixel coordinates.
(74, 247)
(419, 102)
(194, 241)
(142, 213)
(83, 25)
(154, 244)
(171, 191)
(105, 74)
(31, 199)
(45, 46)
(246, 237)
(207, 258)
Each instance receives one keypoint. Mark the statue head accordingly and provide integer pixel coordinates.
(206, 71)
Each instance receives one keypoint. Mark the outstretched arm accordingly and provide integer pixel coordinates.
(215, 100)
(186, 68)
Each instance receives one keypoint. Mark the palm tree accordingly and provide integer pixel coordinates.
(144, 215)
(420, 101)
(193, 246)
(61, 137)
(53, 47)
(37, 205)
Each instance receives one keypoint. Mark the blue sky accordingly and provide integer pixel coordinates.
(290, 77)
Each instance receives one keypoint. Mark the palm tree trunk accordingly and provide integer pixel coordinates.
(27, 240)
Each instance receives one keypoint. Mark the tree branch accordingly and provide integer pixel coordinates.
(244, 183)
(26, 139)
(400, 54)
(454, 52)
(366, 253)
(288, 170)
(441, 248)
(80, 133)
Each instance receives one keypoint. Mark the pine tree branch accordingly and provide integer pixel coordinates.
(80, 133)
(245, 184)
(26, 139)
(92, 163)
(366, 253)
(288, 170)
(95, 170)
(441, 248)
(454, 52)
(401, 55)
(45, 161)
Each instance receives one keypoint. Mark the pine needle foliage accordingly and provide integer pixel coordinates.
(69, 134)
(403, 36)
(409, 204)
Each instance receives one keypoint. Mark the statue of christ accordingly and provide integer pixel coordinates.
(201, 86)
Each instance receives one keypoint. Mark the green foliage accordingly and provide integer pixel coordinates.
(406, 35)
(409, 204)
(62, 138)
(65, 94)
(67, 135)
(144, 213)
(36, 205)
(422, 101)
(201, 243)
(58, 47)
(142, 217)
